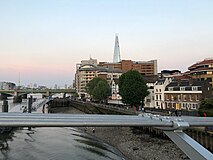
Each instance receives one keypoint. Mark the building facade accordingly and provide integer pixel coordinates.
(186, 94)
(202, 71)
(144, 67)
(116, 56)
(85, 72)
(159, 89)
(150, 82)
(7, 86)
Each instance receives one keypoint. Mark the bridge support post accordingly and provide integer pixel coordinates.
(189, 146)
(5, 106)
(30, 102)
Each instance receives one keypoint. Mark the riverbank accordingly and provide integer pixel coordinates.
(134, 144)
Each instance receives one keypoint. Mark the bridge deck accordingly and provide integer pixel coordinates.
(172, 126)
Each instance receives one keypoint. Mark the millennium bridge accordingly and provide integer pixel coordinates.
(172, 126)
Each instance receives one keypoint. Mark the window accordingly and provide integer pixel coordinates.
(167, 97)
(194, 106)
(184, 97)
(190, 97)
(156, 97)
(209, 79)
(182, 88)
(195, 88)
(148, 100)
(160, 97)
(170, 88)
(179, 97)
(184, 105)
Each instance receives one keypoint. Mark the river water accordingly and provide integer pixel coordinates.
(60, 143)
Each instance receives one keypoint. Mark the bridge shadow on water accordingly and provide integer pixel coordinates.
(62, 143)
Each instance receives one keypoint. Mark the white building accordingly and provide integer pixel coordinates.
(159, 89)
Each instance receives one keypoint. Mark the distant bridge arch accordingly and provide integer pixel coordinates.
(45, 92)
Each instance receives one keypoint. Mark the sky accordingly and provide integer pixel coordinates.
(41, 41)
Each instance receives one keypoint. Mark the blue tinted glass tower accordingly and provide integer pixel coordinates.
(116, 57)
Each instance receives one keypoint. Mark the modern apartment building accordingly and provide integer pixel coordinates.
(202, 70)
(85, 72)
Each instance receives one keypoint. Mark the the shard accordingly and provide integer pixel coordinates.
(116, 57)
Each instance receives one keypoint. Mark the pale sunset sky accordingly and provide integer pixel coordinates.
(42, 40)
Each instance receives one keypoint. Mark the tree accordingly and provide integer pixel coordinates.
(101, 91)
(92, 84)
(98, 89)
(206, 106)
(132, 88)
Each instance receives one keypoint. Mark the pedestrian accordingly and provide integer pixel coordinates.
(176, 113)
(43, 109)
(25, 109)
(204, 114)
(93, 130)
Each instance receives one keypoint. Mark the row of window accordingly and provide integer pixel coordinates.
(189, 97)
(187, 106)
(158, 90)
(194, 88)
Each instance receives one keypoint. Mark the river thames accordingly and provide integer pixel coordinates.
(62, 143)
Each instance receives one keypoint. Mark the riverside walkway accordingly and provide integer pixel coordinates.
(35, 105)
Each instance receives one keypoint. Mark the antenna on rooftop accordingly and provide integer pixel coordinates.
(18, 78)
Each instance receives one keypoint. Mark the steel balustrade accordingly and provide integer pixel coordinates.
(172, 126)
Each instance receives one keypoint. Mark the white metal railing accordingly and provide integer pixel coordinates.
(172, 126)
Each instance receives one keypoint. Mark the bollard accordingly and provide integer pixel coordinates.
(30, 101)
(5, 106)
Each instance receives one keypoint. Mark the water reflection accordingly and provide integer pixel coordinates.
(95, 146)
(54, 144)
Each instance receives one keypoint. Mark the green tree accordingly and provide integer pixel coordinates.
(206, 106)
(101, 91)
(132, 88)
(92, 84)
(75, 94)
(98, 89)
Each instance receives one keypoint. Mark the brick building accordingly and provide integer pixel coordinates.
(143, 67)
(186, 94)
